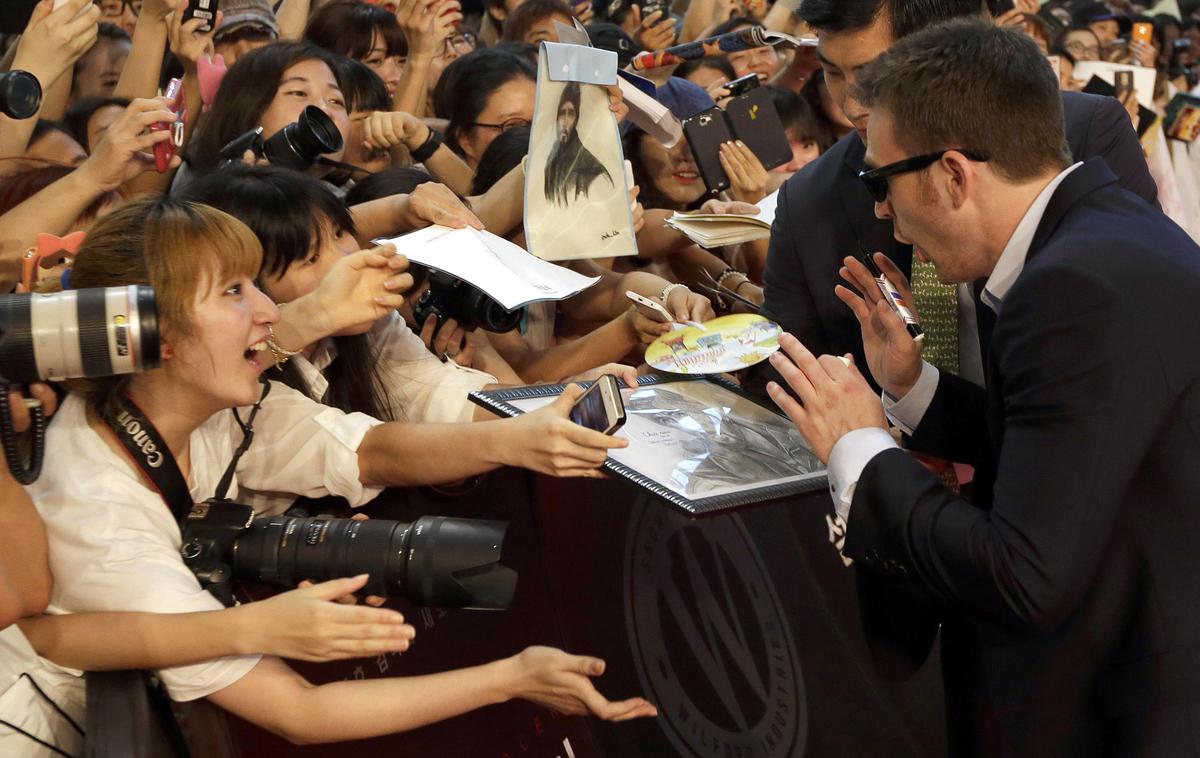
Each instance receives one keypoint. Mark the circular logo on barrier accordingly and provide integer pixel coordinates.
(711, 643)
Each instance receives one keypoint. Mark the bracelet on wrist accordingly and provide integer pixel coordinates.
(428, 147)
(668, 290)
(278, 353)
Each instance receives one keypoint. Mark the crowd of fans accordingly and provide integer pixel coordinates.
(433, 100)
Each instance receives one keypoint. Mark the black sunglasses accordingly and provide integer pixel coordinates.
(876, 179)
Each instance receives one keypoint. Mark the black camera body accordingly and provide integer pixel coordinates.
(449, 297)
(434, 561)
(297, 146)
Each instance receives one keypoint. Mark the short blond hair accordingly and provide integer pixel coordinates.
(177, 247)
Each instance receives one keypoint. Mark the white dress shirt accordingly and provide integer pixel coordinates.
(855, 449)
(114, 545)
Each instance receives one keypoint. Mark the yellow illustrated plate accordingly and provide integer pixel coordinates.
(725, 344)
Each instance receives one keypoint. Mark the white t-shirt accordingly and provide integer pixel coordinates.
(420, 386)
(114, 545)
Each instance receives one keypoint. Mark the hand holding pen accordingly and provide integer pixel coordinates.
(893, 350)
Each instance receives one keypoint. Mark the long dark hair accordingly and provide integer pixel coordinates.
(287, 212)
(464, 87)
(502, 156)
(348, 27)
(245, 94)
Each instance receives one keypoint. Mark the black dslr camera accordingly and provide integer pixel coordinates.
(435, 560)
(296, 146)
(449, 297)
(75, 333)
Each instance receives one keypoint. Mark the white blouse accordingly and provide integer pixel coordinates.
(114, 545)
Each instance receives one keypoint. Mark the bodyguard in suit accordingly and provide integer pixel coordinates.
(1068, 588)
(825, 213)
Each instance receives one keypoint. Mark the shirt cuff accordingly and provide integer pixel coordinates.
(849, 457)
(907, 412)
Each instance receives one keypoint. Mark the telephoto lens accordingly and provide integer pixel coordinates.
(435, 560)
(20, 94)
(298, 145)
(78, 333)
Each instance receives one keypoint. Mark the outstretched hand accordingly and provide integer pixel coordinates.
(362, 288)
(893, 356)
(313, 623)
(834, 398)
(562, 682)
(547, 441)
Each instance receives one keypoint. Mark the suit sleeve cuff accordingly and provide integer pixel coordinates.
(906, 412)
(847, 460)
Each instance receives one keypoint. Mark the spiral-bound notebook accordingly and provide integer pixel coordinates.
(701, 444)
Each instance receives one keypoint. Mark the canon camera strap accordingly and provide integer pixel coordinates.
(151, 454)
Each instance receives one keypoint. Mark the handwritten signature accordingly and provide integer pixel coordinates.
(610, 235)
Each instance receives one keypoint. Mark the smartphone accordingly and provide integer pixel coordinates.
(1143, 32)
(650, 6)
(705, 133)
(742, 85)
(204, 9)
(177, 103)
(601, 407)
(649, 308)
(754, 120)
(1122, 84)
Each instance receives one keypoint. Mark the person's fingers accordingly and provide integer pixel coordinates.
(855, 273)
(397, 285)
(375, 601)
(635, 11)
(893, 273)
(593, 441)
(857, 305)
(45, 394)
(788, 404)
(20, 413)
(797, 365)
(336, 588)
(427, 331)
(645, 709)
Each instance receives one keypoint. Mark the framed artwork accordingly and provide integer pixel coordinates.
(701, 444)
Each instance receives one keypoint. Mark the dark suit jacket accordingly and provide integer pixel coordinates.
(825, 213)
(1071, 588)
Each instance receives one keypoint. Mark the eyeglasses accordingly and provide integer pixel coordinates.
(876, 179)
(115, 8)
(461, 43)
(1083, 51)
(509, 125)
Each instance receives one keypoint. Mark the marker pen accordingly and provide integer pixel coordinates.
(892, 296)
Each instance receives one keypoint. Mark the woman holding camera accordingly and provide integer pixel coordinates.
(114, 544)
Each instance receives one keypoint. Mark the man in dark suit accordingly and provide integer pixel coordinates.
(825, 213)
(1067, 589)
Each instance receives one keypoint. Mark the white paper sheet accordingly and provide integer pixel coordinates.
(1143, 78)
(511, 276)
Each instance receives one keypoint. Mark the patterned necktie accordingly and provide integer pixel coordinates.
(937, 307)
